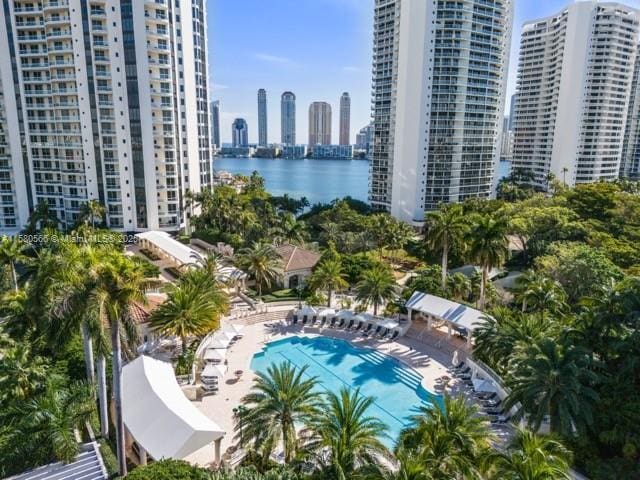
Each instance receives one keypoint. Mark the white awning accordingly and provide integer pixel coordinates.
(214, 371)
(346, 314)
(163, 241)
(441, 308)
(215, 354)
(158, 415)
(482, 385)
(308, 311)
(219, 340)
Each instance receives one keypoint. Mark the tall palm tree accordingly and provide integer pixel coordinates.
(450, 441)
(53, 418)
(488, 247)
(540, 293)
(11, 254)
(21, 374)
(553, 379)
(376, 287)
(532, 457)
(409, 467)
(120, 287)
(262, 262)
(458, 286)
(279, 399)
(328, 275)
(91, 211)
(444, 227)
(189, 310)
(349, 438)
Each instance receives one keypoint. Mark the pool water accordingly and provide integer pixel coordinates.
(336, 363)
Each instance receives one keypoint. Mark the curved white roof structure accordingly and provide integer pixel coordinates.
(172, 247)
(158, 415)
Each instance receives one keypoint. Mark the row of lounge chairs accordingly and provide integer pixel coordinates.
(351, 325)
(490, 402)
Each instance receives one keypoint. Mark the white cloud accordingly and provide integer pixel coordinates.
(265, 57)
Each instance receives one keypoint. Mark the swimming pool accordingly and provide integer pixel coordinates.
(396, 387)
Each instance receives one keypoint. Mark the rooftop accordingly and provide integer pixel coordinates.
(297, 258)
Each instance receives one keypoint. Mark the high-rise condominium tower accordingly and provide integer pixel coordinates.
(288, 118)
(215, 123)
(104, 100)
(574, 80)
(439, 79)
(630, 165)
(262, 117)
(345, 119)
(319, 124)
(240, 133)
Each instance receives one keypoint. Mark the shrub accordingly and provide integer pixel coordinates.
(169, 470)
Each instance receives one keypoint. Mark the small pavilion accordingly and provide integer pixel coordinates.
(455, 315)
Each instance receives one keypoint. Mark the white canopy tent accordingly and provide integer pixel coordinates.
(158, 415)
(233, 328)
(326, 312)
(162, 241)
(219, 340)
(483, 385)
(455, 315)
(215, 354)
(308, 311)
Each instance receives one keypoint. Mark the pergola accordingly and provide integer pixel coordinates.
(163, 422)
(455, 315)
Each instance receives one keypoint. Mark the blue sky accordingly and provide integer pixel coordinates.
(315, 48)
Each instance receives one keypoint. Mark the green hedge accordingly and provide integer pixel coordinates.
(174, 272)
(149, 254)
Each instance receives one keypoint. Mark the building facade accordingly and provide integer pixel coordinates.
(439, 80)
(293, 151)
(630, 164)
(574, 82)
(345, 119)
(506, 145)
(334, 152)
(364, 139)
(240, 133)
(97, 96)
(262, 117)
(288, 119)
(319, 124)
(214, 111)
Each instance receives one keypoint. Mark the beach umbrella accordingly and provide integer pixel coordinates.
(215, 354)
(211, 371)
(483, 385)
(455, 361)
(326, 312)
(219, 341)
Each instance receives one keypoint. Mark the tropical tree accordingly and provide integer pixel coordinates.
(450, 441)
(542, 294)
(262, 262)
(458, 286)
(553, 379)
(488, 247)
(348, 437)
(376, 287)
(532, 457)
(91, 211)
(120, 288)
(53, 418)
(21, 373)
(280, 398)
(444, 228)
(11, 254)
(189, 310)
(328, 275)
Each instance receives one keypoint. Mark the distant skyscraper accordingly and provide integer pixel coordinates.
(101, 100)
(574, 79)
(288, 119)
(319, 124)
(240, 133)
(439, 79)
(345, 119)
(364, 138)
(262, 117)
(214, 111)
(630, 166)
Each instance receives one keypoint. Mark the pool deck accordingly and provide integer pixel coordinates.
(433, 364)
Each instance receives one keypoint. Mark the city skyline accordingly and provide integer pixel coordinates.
(283, 64)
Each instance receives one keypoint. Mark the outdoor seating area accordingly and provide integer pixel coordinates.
(213, 352)
(365, 324)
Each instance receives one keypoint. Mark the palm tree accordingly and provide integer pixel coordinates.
(120, 287)
(376, 287)
(556, 380)
(328, 275)
(348, 438)
(540, 293)
(445, 227)
(188, 311)
(21, 374)
(488, 247)
(532, 457)
(450, 441)
(262, 262)
(279, 399)
(53, 418)
(410, 467)
(11, 253)
(458, 286)
(92, 210)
